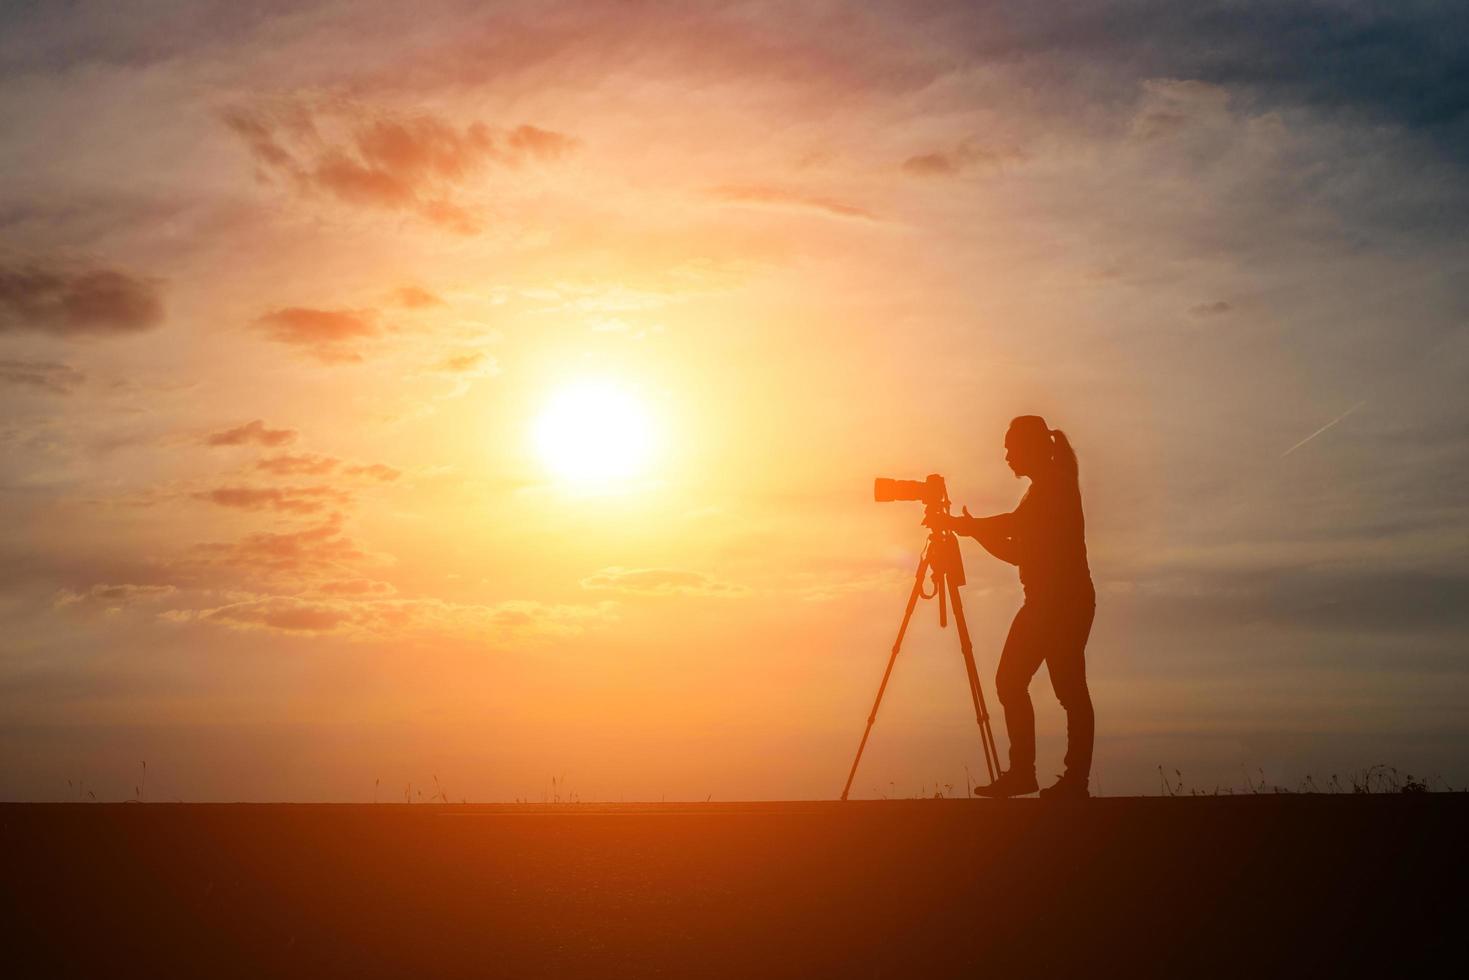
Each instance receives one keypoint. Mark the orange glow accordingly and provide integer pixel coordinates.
(496, 390)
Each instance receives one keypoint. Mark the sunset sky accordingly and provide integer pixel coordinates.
(291, 295)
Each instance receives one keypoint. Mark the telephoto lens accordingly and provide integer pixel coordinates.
(929, 491)
(886, 490)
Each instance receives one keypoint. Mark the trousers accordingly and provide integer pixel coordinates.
(1052, 631)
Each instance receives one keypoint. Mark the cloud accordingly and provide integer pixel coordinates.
(375, 618)
(661, 582)
(323, 333)
(321, 547)
(415, 298)
(290, 615)
(73, 302)
(462, 362)
(300, 464)
(965, 156)
(113, 597)
(356, 588)
(539, 144)
(813, 588)
(49, 376)
(467, 368)
(1169, 106)
(293, 500)
(779, 197)
(255, 432)
(1391, 600)
(1217, 308)
(374, 471)
(373, 158)
(932, 164)
(312, 464)
(1341, 59)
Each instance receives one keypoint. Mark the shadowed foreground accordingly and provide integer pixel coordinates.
(1239, 885)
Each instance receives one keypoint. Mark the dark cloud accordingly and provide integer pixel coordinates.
(60, 379)
(932, 165)
(42, 37)
(301, 464)
(293, 500)
(1216, 308)
(325, 334)
(371, 158)
(23, 570)
(1401, 63)
(251, 432)
(965, 156)
(661, 582)
(74, 302)
(780, 197)
(114, 596)
(1386, 600)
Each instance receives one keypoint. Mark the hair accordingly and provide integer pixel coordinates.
(1033, 427)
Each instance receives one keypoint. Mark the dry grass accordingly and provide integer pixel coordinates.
(1374, 780)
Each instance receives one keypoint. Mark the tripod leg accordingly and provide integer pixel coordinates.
(981, 713)
(897, 644)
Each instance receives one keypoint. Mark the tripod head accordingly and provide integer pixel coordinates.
(941, 554)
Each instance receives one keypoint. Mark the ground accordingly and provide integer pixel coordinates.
(1171, 886)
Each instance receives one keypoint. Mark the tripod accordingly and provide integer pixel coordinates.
(940, 557)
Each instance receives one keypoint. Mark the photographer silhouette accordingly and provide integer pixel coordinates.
(1045, 537)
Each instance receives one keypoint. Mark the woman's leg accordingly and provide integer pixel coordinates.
(1019, 661)
(1066, 662)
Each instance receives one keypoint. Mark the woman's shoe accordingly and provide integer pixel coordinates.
(1068, 787)
(1009, 783)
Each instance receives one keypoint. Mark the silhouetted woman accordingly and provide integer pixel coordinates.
(1044, 535)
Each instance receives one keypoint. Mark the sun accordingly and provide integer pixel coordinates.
(595, 435)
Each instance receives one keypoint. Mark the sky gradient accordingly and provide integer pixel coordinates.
(284, 291)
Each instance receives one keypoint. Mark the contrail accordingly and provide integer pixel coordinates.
(1322, 429)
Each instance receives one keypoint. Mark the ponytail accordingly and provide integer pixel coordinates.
(1033, 429)
(1062, 455)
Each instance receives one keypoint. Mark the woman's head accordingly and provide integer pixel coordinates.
(1034, 449)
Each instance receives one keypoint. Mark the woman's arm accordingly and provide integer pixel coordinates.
(1000, 524)
(995, 534)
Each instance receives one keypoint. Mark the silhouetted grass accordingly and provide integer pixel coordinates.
(1374, 780)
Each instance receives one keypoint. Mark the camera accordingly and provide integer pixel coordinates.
(943, 551)
(930, 492)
